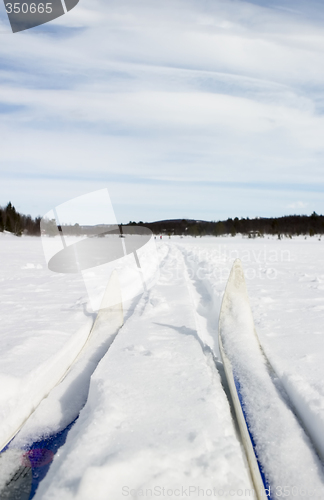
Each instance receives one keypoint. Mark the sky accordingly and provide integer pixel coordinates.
(200, 109)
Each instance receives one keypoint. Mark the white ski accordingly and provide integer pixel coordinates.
(235, 323)
(109, 319)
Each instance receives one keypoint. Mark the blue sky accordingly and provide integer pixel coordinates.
(181, 108)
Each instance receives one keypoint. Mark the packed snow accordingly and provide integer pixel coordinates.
(265, 403)
(155, 420)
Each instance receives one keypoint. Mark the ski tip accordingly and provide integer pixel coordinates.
(237, 272)
(236, 281)
(112, 300)
(112, 295)
(235, 300)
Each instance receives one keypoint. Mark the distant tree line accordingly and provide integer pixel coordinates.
(18, 224)
(290, 225)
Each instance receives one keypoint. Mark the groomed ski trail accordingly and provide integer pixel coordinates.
(156, 415)
(296, 470)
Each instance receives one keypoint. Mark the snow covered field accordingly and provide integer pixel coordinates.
(157, 423)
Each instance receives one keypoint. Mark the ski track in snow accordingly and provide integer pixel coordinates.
(304, 476)
(156, 414)
(275, 430)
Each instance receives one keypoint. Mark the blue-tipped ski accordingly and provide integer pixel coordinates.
(22, 469)
(236, 295)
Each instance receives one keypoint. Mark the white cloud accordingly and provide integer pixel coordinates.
(298, 205)
(224, 92)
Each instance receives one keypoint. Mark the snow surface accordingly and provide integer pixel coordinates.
(157, 415)
(265, 402)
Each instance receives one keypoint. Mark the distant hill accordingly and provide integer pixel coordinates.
(289, 225)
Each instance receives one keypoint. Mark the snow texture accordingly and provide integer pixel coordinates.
(156, 414)
(274, 427)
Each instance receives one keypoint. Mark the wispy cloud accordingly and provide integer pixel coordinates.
(298, 205)
(135, 95)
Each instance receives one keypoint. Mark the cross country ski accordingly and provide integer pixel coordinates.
(24, 463)
(261, 405)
